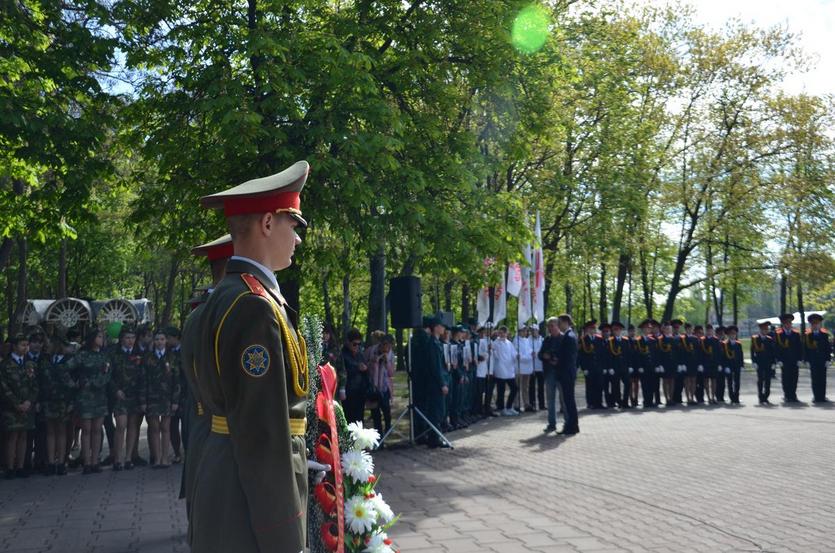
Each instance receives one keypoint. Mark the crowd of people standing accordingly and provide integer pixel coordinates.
(62, 394)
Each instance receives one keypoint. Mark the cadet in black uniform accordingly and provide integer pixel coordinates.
(690, 345)
(734, 361)
(818, 349)
(710, 348)
(666, 348)
(635, 362)
(587, 360)
(604, 362)
(619, 354)
(644, 346)
(788, 351)
(762, 356)
(721, 375)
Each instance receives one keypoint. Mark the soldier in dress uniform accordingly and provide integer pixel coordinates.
(762, 356)
(734, 362)
(680, 355)
(196, 421)
(709, 351)
(252, 377)
(643, 346)
(604, 363)
(587, 361)
(721, 376)
(666, 350)
(818, 350)
(789, 352)
(619, 355)
(690, 345)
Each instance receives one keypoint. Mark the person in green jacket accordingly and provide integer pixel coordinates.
(19, 392)
(162, 393)
(127, 390)
(92, 366)
(58, 393)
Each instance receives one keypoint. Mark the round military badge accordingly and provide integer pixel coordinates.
(255, 361)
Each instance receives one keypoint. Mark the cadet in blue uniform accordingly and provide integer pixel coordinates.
(789, 352)
(587, 360)
(818, 350)
(762, 356)
(734, 361)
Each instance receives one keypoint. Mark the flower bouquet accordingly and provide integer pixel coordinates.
(345, 512)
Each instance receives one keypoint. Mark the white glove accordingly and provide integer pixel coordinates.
(631, 370)
(659, 369)
(700, 368)
(585, 373)
(641, 370)
(319, 470)
(727, 370)
(830, 364)
(611, 372)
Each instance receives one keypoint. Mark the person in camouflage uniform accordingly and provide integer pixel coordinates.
(58, 391)
(172, 344)
(162, 393)
(92, 367)
(127, 392)
(19, 393)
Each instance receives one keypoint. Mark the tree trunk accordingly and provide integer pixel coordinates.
(5, 252)
(646, 288)
(546, 292)
(735, 301)
(589, 294)
(62, 270)
(377, 292)
(784, 293)
(448, 295)
(170, 283)
(346, 304)
(465, 304)
(604, 306)
(801, 308)
(623, 269)
(10, 302)
(569, 298)
(22, 277)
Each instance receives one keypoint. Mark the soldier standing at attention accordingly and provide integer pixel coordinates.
(162, 379)
(818, 353)
(196, 421)
(128, 389)
(735, 361)
(762, 356)
(174, 348)
(721, 376)
(789, 351)
(587, 360)
(19, 392)
(252, 375)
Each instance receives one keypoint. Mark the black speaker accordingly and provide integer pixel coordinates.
(405, 302)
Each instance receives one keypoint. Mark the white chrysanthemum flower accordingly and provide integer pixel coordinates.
(382, 508)
(364, 438)
(377, 544)
(358, 465)
(360, 515)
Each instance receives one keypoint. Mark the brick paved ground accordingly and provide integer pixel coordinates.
(701, 479)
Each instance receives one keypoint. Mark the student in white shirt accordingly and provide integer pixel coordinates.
(536, 388)
(503, 360)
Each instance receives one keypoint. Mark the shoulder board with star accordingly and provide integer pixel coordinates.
(254, 285)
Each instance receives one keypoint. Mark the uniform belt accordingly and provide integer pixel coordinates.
(221, 426)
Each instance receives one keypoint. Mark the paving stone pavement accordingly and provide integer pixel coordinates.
(713, 479)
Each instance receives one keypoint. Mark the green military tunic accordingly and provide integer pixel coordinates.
(92, 369)
(128, 377)
(162, 383)
(58, 389)
(196, 419)
(18, 383)
(251, 496)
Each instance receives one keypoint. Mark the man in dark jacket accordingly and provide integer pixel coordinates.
(566, 372)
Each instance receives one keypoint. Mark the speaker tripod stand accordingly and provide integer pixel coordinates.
(413, 411)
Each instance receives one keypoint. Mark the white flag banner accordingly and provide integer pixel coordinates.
(514, 279)
(538, 275)
(499, 303)
(483, 306)
(525, 293)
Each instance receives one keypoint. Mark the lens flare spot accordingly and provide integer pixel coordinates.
(530, 29)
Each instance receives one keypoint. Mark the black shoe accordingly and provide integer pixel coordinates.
(139, 461)
(128, 465)
(550, 428)
(61, 469)
(569, 432)
(96, 468)
(441, 445)
(118, 467)
(87, 470)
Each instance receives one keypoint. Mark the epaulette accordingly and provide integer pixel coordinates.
(254, 285)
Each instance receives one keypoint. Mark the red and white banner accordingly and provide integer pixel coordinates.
(514, 279)
(499, 303)
(483, 306)
(524, 312)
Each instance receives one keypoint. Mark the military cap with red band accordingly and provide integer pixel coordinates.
(216, 249)
(279, 193)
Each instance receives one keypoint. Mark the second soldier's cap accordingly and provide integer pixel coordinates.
(786, 317)
(590, 324)
(279, 193)
(216, 249)
(814, 317)
(618, 324)
(764, 324)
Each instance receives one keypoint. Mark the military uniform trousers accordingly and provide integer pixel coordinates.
(818, 373)
(198, 429)
(221, 521)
